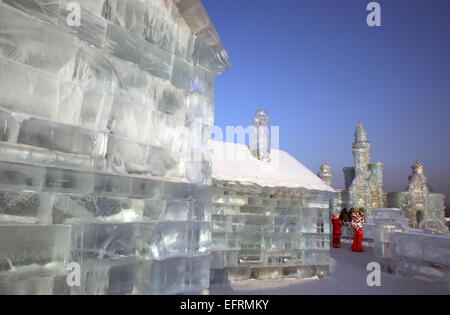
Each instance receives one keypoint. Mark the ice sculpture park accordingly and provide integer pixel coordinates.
(107, 161)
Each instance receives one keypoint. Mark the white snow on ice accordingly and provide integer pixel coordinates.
(234, 162)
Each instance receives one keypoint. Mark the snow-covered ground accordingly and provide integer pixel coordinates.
(347, 276)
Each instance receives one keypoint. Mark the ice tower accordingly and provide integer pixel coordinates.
(364, 187)
(325, 174)
(105, 151)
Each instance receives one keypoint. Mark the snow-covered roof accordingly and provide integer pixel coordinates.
(234, 162)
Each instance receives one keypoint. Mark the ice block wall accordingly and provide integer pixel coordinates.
(266, 233)
(410, 252)
(105, 153)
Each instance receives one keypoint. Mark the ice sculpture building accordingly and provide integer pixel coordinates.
(364, 187)
(106, 110)
(270, 214)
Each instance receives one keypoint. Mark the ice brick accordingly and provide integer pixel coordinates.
(45, 10)
(147, 188)
(160, 30)
(112, 185)
(21, 175)
(130, 121)
(38, 45)
(169, 276)
(203, 82)
(200, 108)
(24, 245)
(64, 180)
(28, 90)
(181, 74)
(155, 61)
(92, 28)
(9, 127)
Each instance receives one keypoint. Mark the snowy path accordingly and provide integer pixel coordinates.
(347, 276)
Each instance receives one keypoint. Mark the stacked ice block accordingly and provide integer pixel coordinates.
(105, 145)
(268, 232)
(408, 251)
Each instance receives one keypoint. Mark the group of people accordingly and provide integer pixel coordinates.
(356, 218)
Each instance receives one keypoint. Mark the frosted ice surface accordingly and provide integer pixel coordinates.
(122, 44)
(63, 138)
(21, 86)
(49, 243)
(203, 82)
(38, 45)
(92, 28)
(160, 30)
(89, 208)
(155, 60)
(181, 74)
(131, 121)
(126, 156)
(45, 10)
(95, 109)
(200, 108)
(21, 175)
(103, 110)
(112, 185)
(9, 126)
(62, 180)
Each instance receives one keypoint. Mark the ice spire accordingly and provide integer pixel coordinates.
(360, 133)
(417, 168)
(260, 145)
(325, 173)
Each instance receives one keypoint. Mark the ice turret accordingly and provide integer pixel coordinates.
(325, 174)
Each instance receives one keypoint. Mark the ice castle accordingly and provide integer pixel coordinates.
(364, 187)
(106, 110)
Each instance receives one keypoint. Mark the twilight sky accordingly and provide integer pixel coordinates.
(319, 69)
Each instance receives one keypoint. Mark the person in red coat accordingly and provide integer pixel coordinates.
(337, 224)
(358, 228)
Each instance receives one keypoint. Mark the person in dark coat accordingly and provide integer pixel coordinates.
(337, 224)
(344, 216)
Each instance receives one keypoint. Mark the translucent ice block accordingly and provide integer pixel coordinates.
(63, 138)
(21, 175)
(131, 121)
(126, 156)
(200, 108)
(45, 10)
(92, 28)
(9, 127)
(89, 208)
(128, 14)
(24, 245)
(160, 30)
(181, 74)
(62, 180)
(134, 49)
(169, 276)
(39, 45)
(203, 82)
(28, 90)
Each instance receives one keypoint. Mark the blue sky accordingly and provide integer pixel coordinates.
(319, 69)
